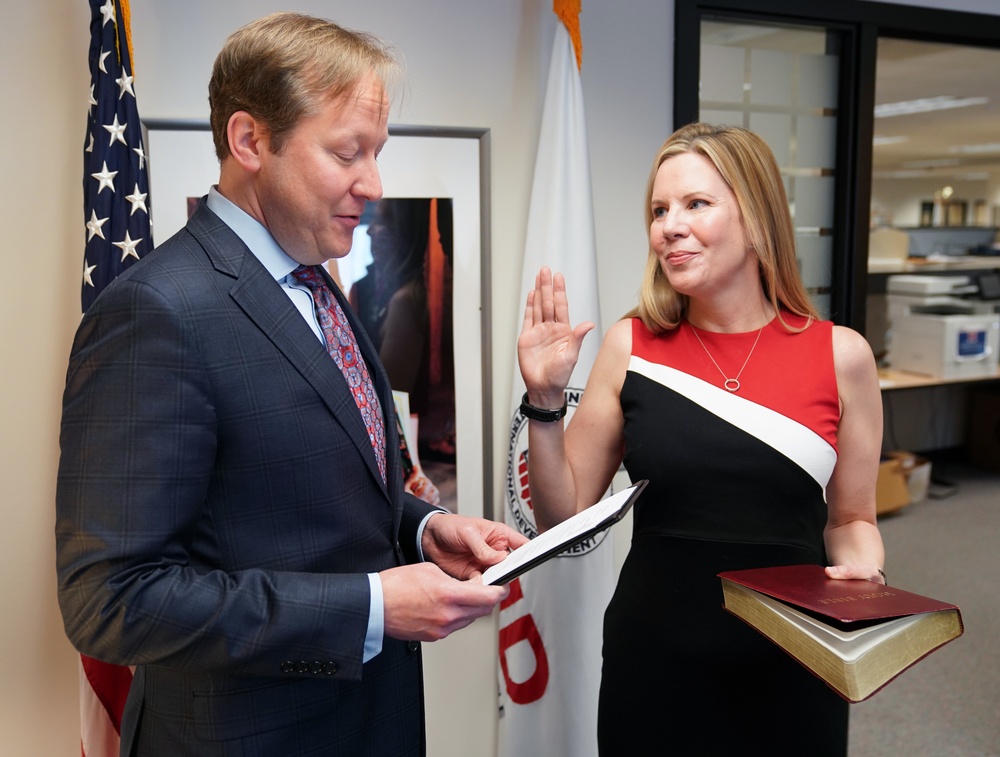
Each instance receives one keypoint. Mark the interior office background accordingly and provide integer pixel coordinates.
(478, 63)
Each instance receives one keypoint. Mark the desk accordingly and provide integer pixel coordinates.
(880, 269)
(889, 379)
(942, 264)
(941, 418)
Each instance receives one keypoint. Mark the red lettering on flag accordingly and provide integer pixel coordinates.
(522, 471)
(523, 629)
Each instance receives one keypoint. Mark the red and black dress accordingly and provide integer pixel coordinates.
(736, 480)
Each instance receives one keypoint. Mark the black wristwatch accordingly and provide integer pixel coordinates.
(540, 413)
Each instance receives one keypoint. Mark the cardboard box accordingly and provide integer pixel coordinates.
(984, 428)
(891, 491)
(903, 478)
(916, 472)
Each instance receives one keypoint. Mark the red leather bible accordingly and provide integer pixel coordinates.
(855, 635)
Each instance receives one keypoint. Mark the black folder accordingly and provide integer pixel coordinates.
(566, 535)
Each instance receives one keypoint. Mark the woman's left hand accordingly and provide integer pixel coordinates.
(863, 572)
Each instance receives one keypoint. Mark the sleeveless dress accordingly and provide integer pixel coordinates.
(736, 480)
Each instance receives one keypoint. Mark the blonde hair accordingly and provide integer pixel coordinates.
(282, 67)
(749, 168)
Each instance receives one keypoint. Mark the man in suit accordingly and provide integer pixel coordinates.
(228, 518)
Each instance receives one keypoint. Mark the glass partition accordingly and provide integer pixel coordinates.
(781, 81)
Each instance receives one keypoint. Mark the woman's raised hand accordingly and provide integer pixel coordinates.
(548, 347)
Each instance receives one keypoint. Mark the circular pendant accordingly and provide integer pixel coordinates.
(732, 385)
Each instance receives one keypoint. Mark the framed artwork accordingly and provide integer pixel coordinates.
(448, 169)
(955, 212)
(927, 213)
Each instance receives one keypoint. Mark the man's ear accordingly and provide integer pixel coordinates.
(247, 140)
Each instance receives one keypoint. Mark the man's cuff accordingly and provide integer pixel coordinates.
(420, 531)
(376, 618)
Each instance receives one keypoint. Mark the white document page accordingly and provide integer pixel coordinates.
(560, 538)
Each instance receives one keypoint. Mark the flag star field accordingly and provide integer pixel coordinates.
(115, 180)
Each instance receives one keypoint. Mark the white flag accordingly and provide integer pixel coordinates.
(551, 623)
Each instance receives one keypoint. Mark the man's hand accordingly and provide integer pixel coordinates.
(422, 603)
(464, 547)
(425, 602)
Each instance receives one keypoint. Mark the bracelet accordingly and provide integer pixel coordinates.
(540, 413)
(881, 572)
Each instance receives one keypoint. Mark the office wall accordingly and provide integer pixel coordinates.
(472, 63)
(899, 200)
(44, 100)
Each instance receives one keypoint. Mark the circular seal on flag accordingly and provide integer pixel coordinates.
(520, 513)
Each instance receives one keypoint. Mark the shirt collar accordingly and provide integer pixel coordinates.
(254, 235)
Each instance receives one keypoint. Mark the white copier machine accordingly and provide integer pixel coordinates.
(933, 330)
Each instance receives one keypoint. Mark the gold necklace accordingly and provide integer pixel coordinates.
(730, 384)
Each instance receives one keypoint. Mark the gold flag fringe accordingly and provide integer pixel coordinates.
(126, 23)
(569, 13)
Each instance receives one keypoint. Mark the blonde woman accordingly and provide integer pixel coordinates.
(759, 427)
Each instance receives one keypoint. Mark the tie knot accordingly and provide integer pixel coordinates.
(310, 276)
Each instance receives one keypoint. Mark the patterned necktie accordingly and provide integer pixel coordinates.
(343, 348)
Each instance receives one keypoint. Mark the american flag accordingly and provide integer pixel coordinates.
(116, 214)
(115, 183)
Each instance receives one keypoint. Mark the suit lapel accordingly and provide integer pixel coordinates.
(262, 299)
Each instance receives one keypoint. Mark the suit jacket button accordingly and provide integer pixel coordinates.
(330, 668)
(302, 666)
(413, 646)
(288, 666)
(316, 667)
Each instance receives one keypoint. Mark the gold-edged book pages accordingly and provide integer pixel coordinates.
(855, 659)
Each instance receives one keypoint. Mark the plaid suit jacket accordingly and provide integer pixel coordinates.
(218, 507)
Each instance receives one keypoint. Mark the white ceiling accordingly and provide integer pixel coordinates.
(911, 70)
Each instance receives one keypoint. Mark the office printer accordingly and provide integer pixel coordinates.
(935, 330)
